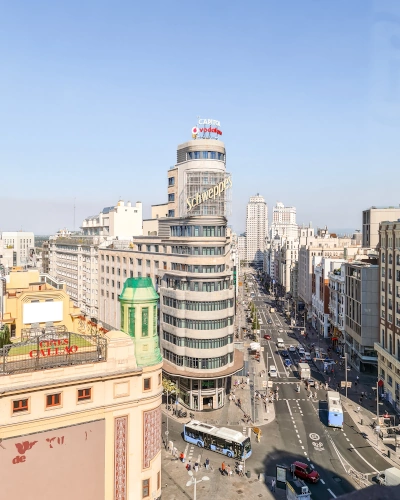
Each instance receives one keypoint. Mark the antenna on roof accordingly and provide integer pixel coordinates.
(74, 214)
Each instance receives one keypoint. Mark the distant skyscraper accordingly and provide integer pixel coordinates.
(284, 221)
(256, 228)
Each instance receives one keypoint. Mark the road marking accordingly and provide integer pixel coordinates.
(344, 434)
(322, 481)
(300, 441)
(295, 426)
(359, 454)
(312, 466)
(305, 453)
(302, 447)
(290, 411)
(331, 492)
(314, 436)
(347, 439)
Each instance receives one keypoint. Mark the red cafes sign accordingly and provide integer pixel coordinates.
(53, 348)
(206, 126)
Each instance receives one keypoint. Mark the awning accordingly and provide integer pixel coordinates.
(380, 383)
(334, 338)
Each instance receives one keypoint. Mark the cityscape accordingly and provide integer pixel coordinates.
(198, 337)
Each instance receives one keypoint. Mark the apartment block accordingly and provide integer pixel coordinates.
(388, 342)
(371, 218)
(362, 313)
(256, 229)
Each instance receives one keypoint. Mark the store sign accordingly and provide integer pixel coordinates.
(206, 126)
(57, 347)
(213, 192)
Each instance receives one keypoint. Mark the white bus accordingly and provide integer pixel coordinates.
(229, 442)
(335, 410)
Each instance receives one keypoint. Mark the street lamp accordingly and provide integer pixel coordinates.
(194, 481)
(266, 391)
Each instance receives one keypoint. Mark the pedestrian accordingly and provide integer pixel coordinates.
(228, 470)
(247, 380)
(360, 401)
(223, 468)
(196, 467)
(230, 398)
(265, 405)
(207, 463)
(182, 457)
(273, 483)
(315, 395)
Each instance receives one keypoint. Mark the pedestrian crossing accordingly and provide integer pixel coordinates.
(189, 452)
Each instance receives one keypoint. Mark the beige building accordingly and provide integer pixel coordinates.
(388, 345)
(22, 245)
(191, 266)
(34, 301)
(371, 219)
(86, 409)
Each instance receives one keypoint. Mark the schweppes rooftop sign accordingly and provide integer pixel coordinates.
(213, 192)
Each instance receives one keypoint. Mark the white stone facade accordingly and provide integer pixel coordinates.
(21, 244)
(256, 229)
(284, 222)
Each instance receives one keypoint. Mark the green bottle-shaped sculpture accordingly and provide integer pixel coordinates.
(139, 319)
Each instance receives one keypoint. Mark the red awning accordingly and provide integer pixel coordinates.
(334, 338)
(380, 383)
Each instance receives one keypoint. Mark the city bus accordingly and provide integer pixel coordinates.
(335, 410)
(226, 441)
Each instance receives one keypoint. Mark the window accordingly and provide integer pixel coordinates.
(171, 213)
(20, 405)
(159, 379)
(145, 488)
(171, 181)
(147, 384)
(139, 262)
(148, 248)
(147, 263)
(84, 394)
(53, 400)
(145, 321)
(171, 197)
(158, 480)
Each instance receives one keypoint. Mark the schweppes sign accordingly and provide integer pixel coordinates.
(213, 192)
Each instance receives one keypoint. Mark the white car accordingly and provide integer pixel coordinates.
(301, 351)
(307, 355)
(292, 348)
(280, 330)
(272, 371)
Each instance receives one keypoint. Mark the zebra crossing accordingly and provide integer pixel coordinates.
(189, 451)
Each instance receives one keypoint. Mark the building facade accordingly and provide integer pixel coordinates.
(337, 301)
(256, 229)
(92, 404)
(191, 264)
(22, 245)
(371, 218)
(388, 344)
(284, 221)
(362, 313)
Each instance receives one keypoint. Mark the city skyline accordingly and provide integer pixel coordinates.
(314, 112)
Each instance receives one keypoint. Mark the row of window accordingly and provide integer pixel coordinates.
(197, 343)
(51, 400)
(145, 320)
(198, 286)
(198, 324)
(198, 363)
(390, 259)
(201, 231)
(205, 155)
(184, 250)
(176, 266)
(190, 305)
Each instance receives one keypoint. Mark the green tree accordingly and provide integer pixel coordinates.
(170, 387)
(5, 338)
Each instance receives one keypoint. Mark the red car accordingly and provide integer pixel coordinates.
(267, 337)
(305, 472)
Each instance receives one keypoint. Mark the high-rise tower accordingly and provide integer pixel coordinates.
(256, 229)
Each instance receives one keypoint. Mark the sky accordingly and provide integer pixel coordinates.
(95, 96)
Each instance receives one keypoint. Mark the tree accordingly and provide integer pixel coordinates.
(5, 338)
(170, 387)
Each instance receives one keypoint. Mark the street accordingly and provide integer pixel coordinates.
(298, 433)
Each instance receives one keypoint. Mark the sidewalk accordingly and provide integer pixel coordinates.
(175, 477)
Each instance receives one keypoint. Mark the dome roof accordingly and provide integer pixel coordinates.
(138, 290)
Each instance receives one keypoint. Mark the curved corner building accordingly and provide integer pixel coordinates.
(196, 293)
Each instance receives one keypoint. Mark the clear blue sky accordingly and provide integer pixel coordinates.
(96, 95)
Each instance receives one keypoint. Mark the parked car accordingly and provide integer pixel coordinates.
(267, 337)
(292, 348)
(305, 472)
(272, 371)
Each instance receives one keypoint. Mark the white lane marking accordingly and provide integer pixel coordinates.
(322, 481)
(359, 454)
(295, 426)
(347, 439)
(290, 411)
(308, 459)
(344, 434)
(300, 441)
(302, 447)
(331, 492)
(305, 453)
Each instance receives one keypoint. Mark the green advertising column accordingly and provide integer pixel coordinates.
(139, 319)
